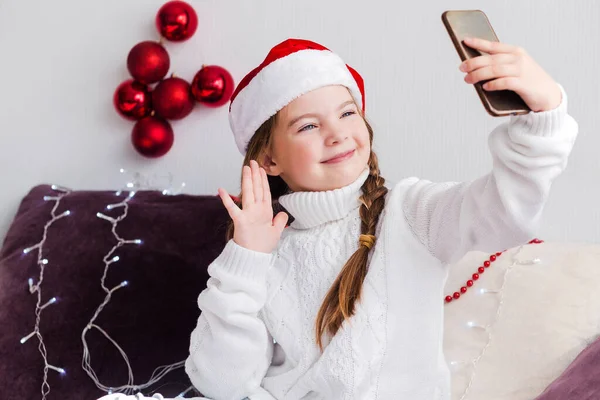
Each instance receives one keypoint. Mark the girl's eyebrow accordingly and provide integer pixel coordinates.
(293, 121)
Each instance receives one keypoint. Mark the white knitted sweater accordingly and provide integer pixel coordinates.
(256, 334)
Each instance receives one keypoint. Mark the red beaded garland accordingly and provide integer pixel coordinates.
(481, 270)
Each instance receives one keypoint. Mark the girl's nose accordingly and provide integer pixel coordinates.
(334, 135)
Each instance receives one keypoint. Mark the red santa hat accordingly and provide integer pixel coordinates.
(291, 69)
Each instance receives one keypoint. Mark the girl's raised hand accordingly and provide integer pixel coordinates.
(508, 67)
(254, 225)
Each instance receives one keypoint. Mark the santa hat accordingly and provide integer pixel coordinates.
(291, 69)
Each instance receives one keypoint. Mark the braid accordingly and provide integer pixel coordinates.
(339, 303)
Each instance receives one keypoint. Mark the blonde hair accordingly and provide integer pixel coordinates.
(339, 303)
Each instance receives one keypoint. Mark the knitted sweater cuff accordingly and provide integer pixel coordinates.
(239, 261)
(543, 123)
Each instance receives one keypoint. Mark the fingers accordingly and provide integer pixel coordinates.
(492, 72)
(491, 47)
(229, 204)
(247, 191)
(280, 221)
(484, 61)
(510, 83)
(257, 185)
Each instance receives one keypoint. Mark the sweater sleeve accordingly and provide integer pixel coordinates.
(501, 209)
(230, 348)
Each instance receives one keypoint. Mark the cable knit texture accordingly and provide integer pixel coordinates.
(256, 334)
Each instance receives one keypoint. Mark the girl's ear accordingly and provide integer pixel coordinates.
(270, 166)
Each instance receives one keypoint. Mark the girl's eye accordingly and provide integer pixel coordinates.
(307, 126)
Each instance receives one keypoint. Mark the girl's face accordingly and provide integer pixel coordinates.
(309, 132)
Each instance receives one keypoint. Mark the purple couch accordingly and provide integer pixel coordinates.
(151, 318)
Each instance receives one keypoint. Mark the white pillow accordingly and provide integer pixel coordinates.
(550, 312)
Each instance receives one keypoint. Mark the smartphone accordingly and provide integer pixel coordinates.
(474, 23)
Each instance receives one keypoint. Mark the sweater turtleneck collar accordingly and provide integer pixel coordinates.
(311, 209)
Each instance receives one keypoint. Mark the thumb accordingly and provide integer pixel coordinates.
(280, 221)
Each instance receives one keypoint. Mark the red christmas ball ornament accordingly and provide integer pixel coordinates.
(148, 62)
(172, 98)
(152, 137)
(133, 100)
(176, 21)
(213, 86)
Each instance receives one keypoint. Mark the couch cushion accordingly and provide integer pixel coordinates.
(549, 314)
(581, 380)
(151, 318)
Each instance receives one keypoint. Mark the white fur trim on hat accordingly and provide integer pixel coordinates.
(282, 81)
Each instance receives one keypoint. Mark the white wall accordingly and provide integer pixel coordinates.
(61, 60)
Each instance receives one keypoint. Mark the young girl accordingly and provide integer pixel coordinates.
(347, 302)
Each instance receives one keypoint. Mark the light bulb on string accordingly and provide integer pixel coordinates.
(486, 291)
(57, 369)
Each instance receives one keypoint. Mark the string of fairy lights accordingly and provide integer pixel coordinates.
(35, 287)
(488, 329)
(138, 182)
